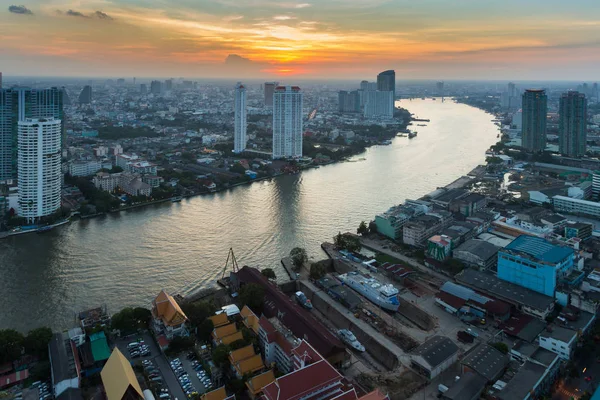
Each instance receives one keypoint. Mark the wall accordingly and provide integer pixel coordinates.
(376, 349)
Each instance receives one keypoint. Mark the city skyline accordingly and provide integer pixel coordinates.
(344, 39)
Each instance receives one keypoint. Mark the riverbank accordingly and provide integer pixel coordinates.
(125, 259)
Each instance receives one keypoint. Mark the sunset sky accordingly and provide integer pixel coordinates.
(431, 39)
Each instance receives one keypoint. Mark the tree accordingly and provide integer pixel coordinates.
(238, 168)
(317, 271)
(500, 346)
(238, 344)
(253, 296)
(373, 227)
(180, 343)
(204, 330)
(197, 312)
(362, 228)
(131, 319)
(36, 342)
(268, 273)
(347, 242)
(299, 257)
(220, 355)
(11, 345)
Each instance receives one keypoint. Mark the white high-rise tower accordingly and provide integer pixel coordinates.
(39, 167)
(239, 109)
(287, 122)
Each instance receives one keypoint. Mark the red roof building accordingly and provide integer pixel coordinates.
(293, 317)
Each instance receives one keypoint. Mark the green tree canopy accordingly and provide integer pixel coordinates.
(317, 270)
(363, 229)
(299, 257)
(131, 319)
(268, 273)
(11, 345)
(221, 355)
(197, 311)
(36, 341)
(204, 330)
(180, 343)
(347, 242)
(253, 296)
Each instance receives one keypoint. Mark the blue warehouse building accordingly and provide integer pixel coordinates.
(535, 263)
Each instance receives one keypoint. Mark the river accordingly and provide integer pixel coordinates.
(125, 259)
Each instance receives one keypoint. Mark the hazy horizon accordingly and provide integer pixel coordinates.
(330, 39)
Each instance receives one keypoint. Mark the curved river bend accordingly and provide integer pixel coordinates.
(125, 259)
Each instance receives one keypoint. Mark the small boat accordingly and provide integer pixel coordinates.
(348, 337)
(386, 142)
(44, 229)
(176, 199)
(412, 135)
(303, 300)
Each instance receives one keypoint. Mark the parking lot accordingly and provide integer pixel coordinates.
(187, 367)
(158, 359)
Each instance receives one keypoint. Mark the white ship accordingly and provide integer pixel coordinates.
(385, 296)
(351, 340)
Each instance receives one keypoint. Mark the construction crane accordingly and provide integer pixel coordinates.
(231, 260)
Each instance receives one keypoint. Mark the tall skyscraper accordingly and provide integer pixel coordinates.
(349, 101)
(0, 80)
(366, 85)
(512, 89)
(287, 122)
(386, 82)
(439, 88)
(39, 154)
(572, 126)
(156, 87)
(239, 111)
(143, 89)
(269, 90)
(378, 104)
(85, 97)
(169, 84)
(17, 104)
(535, 111)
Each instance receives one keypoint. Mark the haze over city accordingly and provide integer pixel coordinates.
(334, 39)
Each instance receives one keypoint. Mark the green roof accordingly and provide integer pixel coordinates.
(100, 349)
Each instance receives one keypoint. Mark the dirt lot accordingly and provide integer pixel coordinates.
(398, 387)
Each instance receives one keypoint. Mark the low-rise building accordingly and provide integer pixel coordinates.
(477, 253)
(391, 222)
(523, 299)
(245, 361)
(580, 230)
(84, 168)
(558, 340)
(133, 185)
(576, 206)
(434, 356)
(168, 318)
(416, 231)
(65, 368)
(486, 361)
(465, 302)
(439, 247)
(106, 181)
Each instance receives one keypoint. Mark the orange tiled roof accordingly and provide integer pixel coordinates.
(223, 331)
(232, 338)
(241, 354)
(219, 320)
(249, 365)
(217, 394)
(256, 384)
(166, 308)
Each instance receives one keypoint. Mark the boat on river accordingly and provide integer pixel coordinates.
(385, 296)
(176, 199)
(412, 135)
